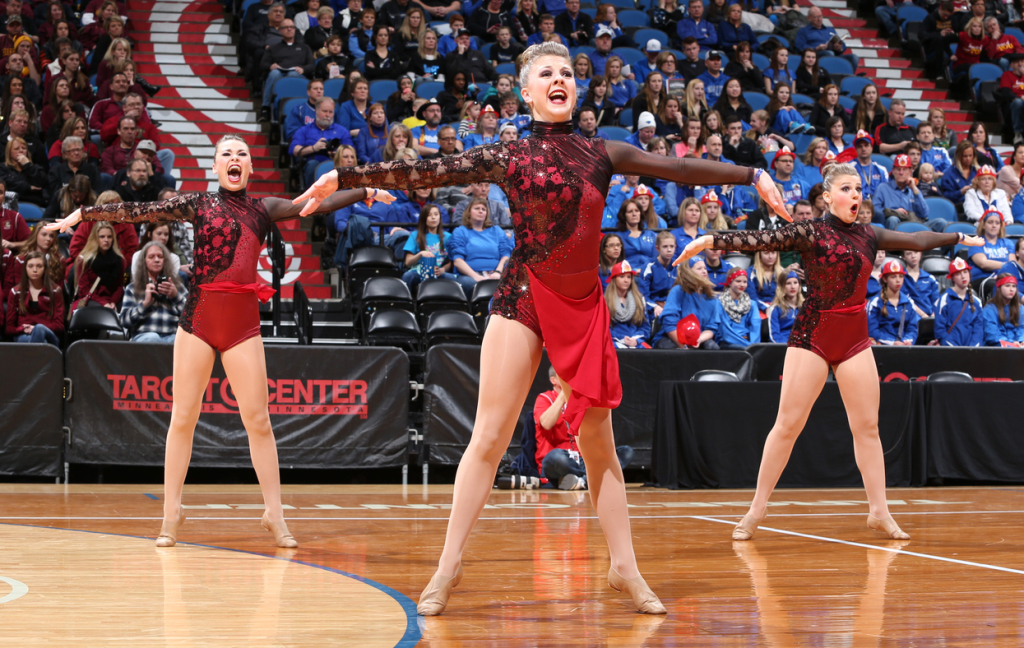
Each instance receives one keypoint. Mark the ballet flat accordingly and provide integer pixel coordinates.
(644, 599)
(887, 526)
(282, 537)
(434, 598)
(169, 532)
(746, 528)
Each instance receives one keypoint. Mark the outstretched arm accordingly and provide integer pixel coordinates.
(794, 236)
(179, 208)
(921, 241)
(280, 209)
(488, 163)
(629, 160)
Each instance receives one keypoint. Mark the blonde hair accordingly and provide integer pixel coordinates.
(534, 52)
(694, 108)
(109, 55)
(611, 294)
(110, 197)
(92, 246)
(720, 222)
(763, 275)
(836, 170)
(780, 296)
(925, 168)
(682, 209)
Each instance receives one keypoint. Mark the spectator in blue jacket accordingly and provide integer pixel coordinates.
(762, 278)
(899, 199)
(486, 131)
(316, 142)
(872, 173)
(694, 25)
(646, 129)
(638, 241)
(789, 299)
(361, 39)
(479, 248)
(957, 180)
(303, 114)
(793, 188)
(1002, 315)
(931, 153)
(717, 267)
(426, 249)
(352, 113)
(630, 327)
(739, 319)
(920, 286)
(621, 90)
(996, 251)
(958, 313)
(375, 136)
(824, 39)
(658, 276)
(1014, 267)
(732, 31)
(892, 320)
(692, 294)
(713, 77)
(874, 285)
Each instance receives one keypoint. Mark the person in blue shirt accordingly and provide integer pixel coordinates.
(424, 138)
(478, 249)
(789, 299)
(689, 217)
(352, 113)
(958, 312)
(602, 51)
(957, 180)
(920, 286)
(630, 327)
(932, 154)
(316, 142)
(546, 26)
(642, 69)
(302, 114)
(824, 39)
(361, 39)
(621, 91)
(738, 317)
(692, 294)
(713, 78)
(646, 129)
(374, 137)
(1014, 267)
(694, 25)
(874, 285)
(426, 248)
(997, 249)
(717, 268)
(1003, 326)
(899, 199)
(892, 320)
(872, 174)
(638, 241)
(793, 188)
(732, 31)
(486, 129)
(761, 275)
(658, 276)
(446, 44)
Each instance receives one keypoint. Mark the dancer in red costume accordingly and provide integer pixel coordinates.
(832, 330)
(221, 315)
(550, 295)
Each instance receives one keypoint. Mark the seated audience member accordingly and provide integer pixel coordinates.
(1015, 266)
(155, 298)
(479, 249)
(289, 57)
(984, 196)
(958, 312)
(792, 187)
(374, 137)
(610, 254)
(957, 181)
(485, 131)
(336, 64)
(931, 153)
(77, 195)
(70, 65)
(739, 149)
(118, 154)
(762, 278)
(73, 164)
(120, 49)
(996, 251)
(105, 109)
(35, 306)
(899, 200)
(927, 182)
(783, 115)
(160, 232)
(135, 84)
(1002, 323)
(13, 228)
(920, 286)
(738, 318)
(314, 143)
(630, 327)
(78, 127)
(40, 240)
(400, 103)
(21, 124)
(789, 299)
(180, 243)
(99, 270)
(688, 217)
(425, 249)
(426, 138)
(892, 320)
(875, 279)
(29, 88)
(694, 295)
(351, 114)
(717, 268)
(657, 277)
(817, 36)
(638, 238)
(397, 141)
(304, 113)
(557, 456)
(136, 184)
(872, 173)
(21, 174)
(764, 135)
(499, 213)
(470, 62)
(380, 61)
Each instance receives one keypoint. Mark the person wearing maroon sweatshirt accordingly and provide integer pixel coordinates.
(1011, 94)
(35, 309)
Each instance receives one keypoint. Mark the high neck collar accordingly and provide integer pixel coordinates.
(835, 220)
(539, 128)
(224, 191)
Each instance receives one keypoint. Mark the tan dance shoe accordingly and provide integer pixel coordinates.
(746, 528)
(645, 600)
(282, 537)
(887, 526)
(169, 532)
(434, 598)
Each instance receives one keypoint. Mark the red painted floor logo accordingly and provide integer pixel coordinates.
(287, 396)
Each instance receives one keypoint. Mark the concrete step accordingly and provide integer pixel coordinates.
(196, 104)
(197, 49)
(205, 72)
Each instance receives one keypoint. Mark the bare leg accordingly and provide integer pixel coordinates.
(508, 361)
(193, 364)
(803, 376)
(246, 369)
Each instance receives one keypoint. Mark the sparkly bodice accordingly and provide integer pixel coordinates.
(837, 259)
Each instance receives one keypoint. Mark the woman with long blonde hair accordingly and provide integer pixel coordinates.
(627, 308)
(120, 49)
(696, 101)
(100, 269)
(19, 171)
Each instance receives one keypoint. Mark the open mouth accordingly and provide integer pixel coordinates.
(853, 208)
(558, 97)
(235, 173)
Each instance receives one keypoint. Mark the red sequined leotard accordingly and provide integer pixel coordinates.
(837, 259)
(556, 182)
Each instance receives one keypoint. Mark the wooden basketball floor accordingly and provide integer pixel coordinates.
(78, 568)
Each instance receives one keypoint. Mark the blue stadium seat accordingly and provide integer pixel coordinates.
(506, 68)
(381, 89)
(286, 88)
(485, 49)
(799, 99)
(629, 55)
(333, 88)
(1016, 33)
(286, 108)
(31, 213)
(1015, 229)
(884, 160)
(984, 72)
(835, 65)
(966, 228)
(616, 134)
(911, 228)
(626, 118)
(643, 35)
(759, 60)
(757, 100)
(908, 13)
(633, 18)
(912, 122)
(801, 142)
(324, 167)
(622, 4)
(886, 101)
(847, 102)
(429, 89)
(854, 85)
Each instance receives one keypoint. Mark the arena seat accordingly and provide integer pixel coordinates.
(381, 293)
(368, 262)
(616, 133)
(31, 213)
(739, 260)
(715, 375)
(950, 376)
(480, 300)
(429, 89)
(941, 207)
(451, 326)
(94, 323)
(393, 327)
(435, 295)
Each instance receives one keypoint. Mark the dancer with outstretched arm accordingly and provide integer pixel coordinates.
(549, 296)
(221, 315)
(837, 255)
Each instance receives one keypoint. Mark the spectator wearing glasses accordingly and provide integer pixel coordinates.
(73, 163)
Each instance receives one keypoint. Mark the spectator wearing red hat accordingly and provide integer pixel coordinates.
(619, 193)
(1001, 315)
(997, 249)
(899, 199)
(486, 131)
(920, 286)
(793, 188)
(657, 277)
(958, 313)
(693, 295)
(984, 196)
(739, 319)
(639, 242)
(892, 320)
(872, 174)
(783, 311)
(630, 327)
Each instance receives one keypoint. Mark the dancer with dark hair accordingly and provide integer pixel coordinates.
(550, 296)
(221, 315)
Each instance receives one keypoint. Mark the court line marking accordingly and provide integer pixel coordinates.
(870, 546)
(18, 589)
(413, 629)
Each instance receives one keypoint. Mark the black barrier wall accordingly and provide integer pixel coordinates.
(31, 409)
(330, 407)
(452, 387)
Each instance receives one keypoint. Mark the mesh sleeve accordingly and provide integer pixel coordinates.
(482, 163)
(794, 236)
(182, 207)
